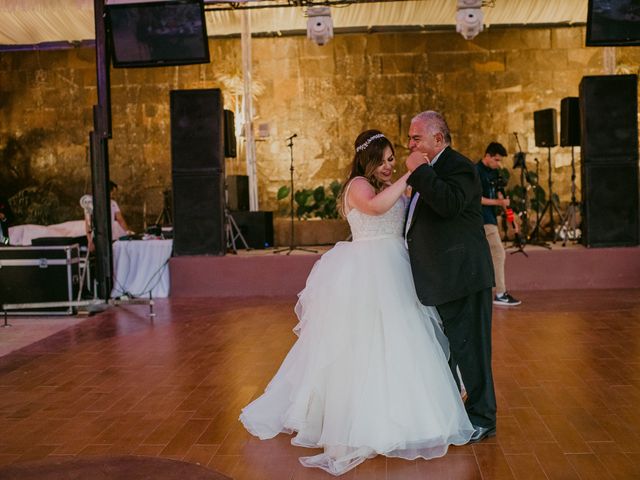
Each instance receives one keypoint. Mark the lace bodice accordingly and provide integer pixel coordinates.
(390, 223)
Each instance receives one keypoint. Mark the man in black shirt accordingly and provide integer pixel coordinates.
(492, 199)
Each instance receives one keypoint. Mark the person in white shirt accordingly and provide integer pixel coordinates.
(119, 225)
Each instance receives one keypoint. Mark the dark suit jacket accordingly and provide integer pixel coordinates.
(450, 256)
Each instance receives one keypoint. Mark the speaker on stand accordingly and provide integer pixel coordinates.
(570, 137)
(546, 135)
(230, 147)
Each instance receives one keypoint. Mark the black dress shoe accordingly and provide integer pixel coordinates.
(481, 433)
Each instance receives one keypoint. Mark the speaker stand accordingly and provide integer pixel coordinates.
(233, 232)
(569, 226)
(550, 206)
(534, 238)
(165, 218)
(292, 246)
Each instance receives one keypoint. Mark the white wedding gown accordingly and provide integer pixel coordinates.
(368, 374)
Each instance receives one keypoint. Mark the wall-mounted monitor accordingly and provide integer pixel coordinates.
(613, 23)
(156, 33)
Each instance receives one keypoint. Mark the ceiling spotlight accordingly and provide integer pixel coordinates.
(469, 18)
(319, 24)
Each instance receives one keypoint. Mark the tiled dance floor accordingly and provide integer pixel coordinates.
(566, 364)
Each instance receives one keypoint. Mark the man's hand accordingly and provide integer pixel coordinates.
(415, 159)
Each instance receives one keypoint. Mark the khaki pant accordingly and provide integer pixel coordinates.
(497, 255)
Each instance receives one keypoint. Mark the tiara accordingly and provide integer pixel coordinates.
(368, 141)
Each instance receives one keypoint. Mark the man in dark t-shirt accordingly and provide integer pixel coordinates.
(492, 199)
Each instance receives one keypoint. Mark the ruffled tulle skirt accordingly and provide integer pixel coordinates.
(368, 374)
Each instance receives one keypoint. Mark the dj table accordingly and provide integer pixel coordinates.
(141, 267)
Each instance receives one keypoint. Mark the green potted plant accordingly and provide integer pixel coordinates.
(318, 220)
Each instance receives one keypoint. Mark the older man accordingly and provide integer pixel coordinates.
(450, 258)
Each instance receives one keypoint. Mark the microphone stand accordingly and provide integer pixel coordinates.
(520, 239)
(292, 246)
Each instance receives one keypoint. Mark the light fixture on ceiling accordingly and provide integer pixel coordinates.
(469, 18)
(319, 24)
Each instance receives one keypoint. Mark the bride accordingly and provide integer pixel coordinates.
(368, 374)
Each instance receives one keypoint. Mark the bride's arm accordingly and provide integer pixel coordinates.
(363, 197)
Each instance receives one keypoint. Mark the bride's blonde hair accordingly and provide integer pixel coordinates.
(369, 148)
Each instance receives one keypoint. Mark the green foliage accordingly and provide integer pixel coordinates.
(318, 202)
(283, 192)
(535, 195)
(36, 205)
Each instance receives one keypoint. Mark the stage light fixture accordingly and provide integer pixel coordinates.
(319, 24)
(469, 18)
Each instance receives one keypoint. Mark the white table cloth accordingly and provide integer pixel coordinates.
(140, 267)
(23, 234)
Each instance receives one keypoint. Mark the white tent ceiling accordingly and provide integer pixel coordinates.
(29, 22)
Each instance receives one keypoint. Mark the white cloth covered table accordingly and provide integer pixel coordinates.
(23, 234)
(140, 266)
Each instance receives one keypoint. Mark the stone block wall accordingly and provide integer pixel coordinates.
(487, 88)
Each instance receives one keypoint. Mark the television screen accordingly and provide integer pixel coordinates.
(158, 33)
(613, 23)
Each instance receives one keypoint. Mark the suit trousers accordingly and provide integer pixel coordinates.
(467, 324)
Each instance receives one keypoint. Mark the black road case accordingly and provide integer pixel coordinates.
(39, 274)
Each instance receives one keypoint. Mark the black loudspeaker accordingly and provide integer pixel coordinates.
(570, 122)
(197, 130)
(238, 192)
(610, 204)
(545, 127)
(197, 162)
(256, 228)
(609, 118)
(229, 134)
(198, 223)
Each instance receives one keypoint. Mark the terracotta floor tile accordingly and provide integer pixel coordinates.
(525, 467)
(554, 462)
(588, 467)
(492, 462)
(619, 466)
(565, 434)
(450, 467)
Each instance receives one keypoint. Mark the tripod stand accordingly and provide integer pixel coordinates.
(165, 218)
(291, 246)
(550, 204)
(535, 235)
(569, 228)
(233, 232)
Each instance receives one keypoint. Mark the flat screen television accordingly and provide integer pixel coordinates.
(613, 23)
(157, 33)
